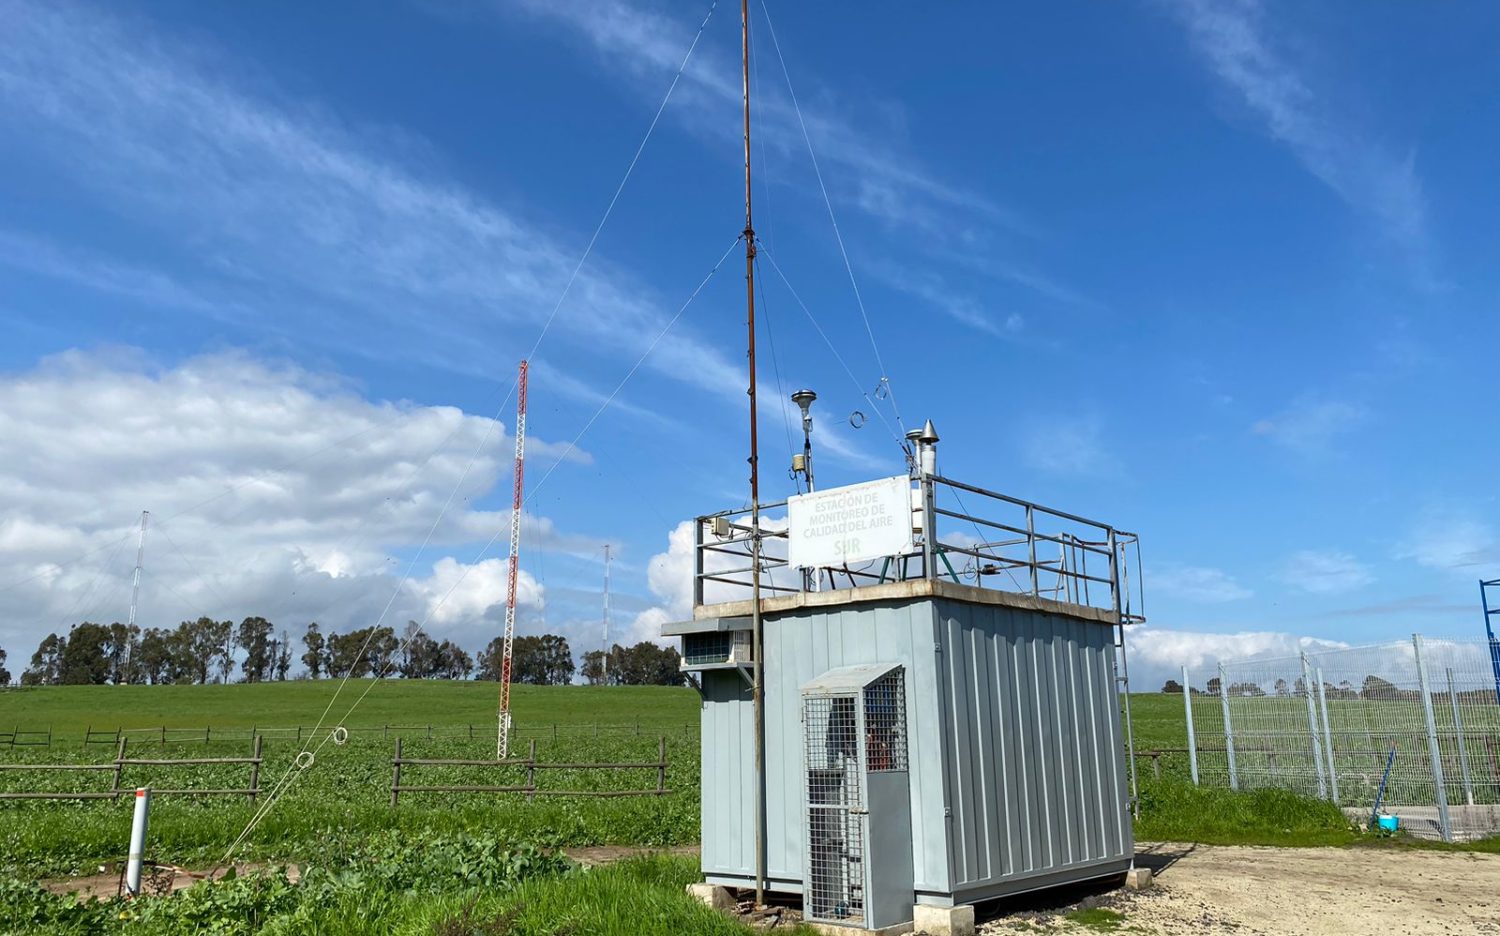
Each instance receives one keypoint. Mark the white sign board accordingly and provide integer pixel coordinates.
(850, 524)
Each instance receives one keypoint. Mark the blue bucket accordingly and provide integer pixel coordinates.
(1389, 823)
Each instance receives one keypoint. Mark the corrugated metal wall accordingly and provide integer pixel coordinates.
(806, 644)
(1036, 765)
(1014, 724)
(727, 730)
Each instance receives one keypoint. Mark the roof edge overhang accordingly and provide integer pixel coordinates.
(706, 625)
(913, 590)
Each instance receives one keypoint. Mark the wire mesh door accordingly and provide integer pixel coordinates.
(835, 880)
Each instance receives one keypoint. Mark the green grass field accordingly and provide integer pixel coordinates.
(70, 710)
(336, 814)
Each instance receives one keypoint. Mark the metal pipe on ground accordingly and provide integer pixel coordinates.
(137, 841)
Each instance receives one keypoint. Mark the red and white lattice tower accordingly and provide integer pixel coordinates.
(502, 747)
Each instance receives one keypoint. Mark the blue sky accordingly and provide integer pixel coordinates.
(1216, 272)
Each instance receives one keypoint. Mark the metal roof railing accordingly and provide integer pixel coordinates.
(978, 537)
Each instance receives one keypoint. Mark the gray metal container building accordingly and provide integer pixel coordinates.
(1014, 752)
(1018, 774)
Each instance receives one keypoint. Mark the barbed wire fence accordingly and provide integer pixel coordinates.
(1413, 726)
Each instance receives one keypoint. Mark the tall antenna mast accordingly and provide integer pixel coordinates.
(502, 745)
(605, 662)
(135, 586)
(758, 692)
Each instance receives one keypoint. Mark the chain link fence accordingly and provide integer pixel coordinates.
(1409, 729)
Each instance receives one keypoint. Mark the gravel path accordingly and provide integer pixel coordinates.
(1286, 892)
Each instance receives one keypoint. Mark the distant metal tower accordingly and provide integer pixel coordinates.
(135, 586)
(605, 661)
(502, 746)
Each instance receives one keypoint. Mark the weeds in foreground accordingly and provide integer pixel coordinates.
(1096, 918)
(427, 886)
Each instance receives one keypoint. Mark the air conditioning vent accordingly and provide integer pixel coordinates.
(716, 648)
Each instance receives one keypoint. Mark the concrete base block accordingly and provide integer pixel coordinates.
(1138, 879)
(944, 921)
(713, 895)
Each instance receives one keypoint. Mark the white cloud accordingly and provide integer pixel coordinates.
(670, 575)
(1452, 539)
(1311, 426)
(289, 219)
(1157, 654)
(457, 593)
(273, 491)
(1232, 37)
(1198, 584)
(1325, 572)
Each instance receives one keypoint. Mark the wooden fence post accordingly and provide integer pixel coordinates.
(1156, 764)
(396, 773)
(255, 769)
(119, 768)
(661, 769)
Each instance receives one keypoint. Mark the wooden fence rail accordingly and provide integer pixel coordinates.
(120, 762)
(532, 765)
(164, 735)
(22, 738)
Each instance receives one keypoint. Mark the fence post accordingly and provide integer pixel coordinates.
(255, 768)
(1187, 704)
(119, 768)
(661, 766)
(1234, 774)
(1463, 754)
(1434, 753)
(1333, 777)
(1036, 589)
(396, 772)
(1312, 728)
(531, 772)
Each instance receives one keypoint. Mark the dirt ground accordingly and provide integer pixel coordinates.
(1280, 892)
